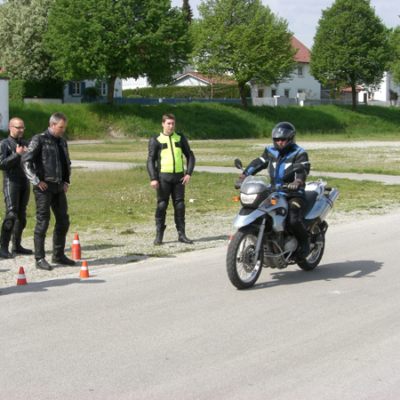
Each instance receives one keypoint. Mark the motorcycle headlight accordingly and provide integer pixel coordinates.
(247, 198)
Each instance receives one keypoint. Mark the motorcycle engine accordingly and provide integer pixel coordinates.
(290, 244)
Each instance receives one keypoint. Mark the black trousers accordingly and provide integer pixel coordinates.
(296, 204)
(16, 195)
(171, 186)
(53, 198)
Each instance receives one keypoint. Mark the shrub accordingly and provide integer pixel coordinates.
(91, 92)
(216, 92)
(46, 88)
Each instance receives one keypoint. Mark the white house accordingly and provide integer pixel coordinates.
(383, 94)
(142, 82)
(301, 82)
(73, 90)
(192, 78)
(131, 83)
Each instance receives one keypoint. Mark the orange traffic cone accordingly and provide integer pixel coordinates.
(84, 271)
(76, 249)
(21, 277)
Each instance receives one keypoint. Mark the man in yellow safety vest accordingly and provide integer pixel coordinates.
(166, 170)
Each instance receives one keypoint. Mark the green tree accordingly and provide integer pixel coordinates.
(187, 10)
(242, 39)
(350, 46)
(106, 39)
(394, 64)
(22, 25)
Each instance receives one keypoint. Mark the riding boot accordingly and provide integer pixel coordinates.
(39, 242)
(182, 236)
(304, 249)
(302, 237)
(160, 228)
(16, 242)
(4, 242)
(58, 245)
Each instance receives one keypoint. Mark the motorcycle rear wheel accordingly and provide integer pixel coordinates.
(242, 267)
(314, 258)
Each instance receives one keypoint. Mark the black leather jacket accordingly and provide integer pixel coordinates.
(42, 161)
(9, 158)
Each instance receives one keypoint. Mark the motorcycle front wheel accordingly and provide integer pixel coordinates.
(242, 266)
(314, 258)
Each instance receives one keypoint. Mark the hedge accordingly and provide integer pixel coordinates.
(46, 88)
(217, 92)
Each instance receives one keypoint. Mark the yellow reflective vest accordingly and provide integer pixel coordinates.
(171, 153)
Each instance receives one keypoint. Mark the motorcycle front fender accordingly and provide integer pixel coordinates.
(244, 220)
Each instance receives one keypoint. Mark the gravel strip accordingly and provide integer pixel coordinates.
(103, 248)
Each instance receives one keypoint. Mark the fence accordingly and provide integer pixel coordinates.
(147, 101)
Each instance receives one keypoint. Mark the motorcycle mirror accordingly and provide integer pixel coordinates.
(238, 164)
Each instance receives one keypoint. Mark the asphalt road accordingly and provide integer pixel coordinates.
(175, 328)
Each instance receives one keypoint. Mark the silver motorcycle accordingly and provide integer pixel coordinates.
(264, 239)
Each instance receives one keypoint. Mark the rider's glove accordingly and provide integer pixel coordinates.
(294, 186)
(238, 183)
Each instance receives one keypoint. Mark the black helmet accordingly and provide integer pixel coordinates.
(284, 130)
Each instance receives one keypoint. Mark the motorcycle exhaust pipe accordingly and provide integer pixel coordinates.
(331, 200)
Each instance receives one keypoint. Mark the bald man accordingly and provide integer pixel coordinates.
(16, 189)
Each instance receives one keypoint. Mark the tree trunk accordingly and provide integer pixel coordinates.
(242, 91)
(353, 98)
(110, 98)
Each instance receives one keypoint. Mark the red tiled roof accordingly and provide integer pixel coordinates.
(348, 89)
(225, 80)
(303, 53)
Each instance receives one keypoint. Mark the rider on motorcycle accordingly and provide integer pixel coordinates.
(279, 160)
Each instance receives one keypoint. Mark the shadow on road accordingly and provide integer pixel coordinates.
(43, 286)
(327, 272)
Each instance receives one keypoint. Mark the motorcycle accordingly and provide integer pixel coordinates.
(264, 239)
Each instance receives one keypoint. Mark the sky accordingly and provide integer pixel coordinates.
(303, 16)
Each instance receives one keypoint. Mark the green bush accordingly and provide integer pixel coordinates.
(217, 92)
(46, 88)
(16, 89)
(91, 92)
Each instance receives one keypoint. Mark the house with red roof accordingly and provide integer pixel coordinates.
(301, 84)
(192, 78)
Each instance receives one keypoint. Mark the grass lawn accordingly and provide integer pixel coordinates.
(119, 200)
(379, 160)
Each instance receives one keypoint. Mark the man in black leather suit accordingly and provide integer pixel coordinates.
(16, 189)
(47, 165)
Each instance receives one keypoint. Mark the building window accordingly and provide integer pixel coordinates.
(273, 92)
(103, 88)
(260, 92)
(300, 70)
(287, 91)
(76, 88)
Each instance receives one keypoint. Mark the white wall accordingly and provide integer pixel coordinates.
(131, 83)
(305, 82)
(4, 110)
(383, 94)
(189, 81)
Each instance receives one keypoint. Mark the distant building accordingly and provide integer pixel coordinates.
(384, 93)
(192, 78)
(301, 82)
(74, 90)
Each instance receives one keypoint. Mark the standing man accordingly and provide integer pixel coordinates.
(16, 189)
(47, 165)
(165, 167)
